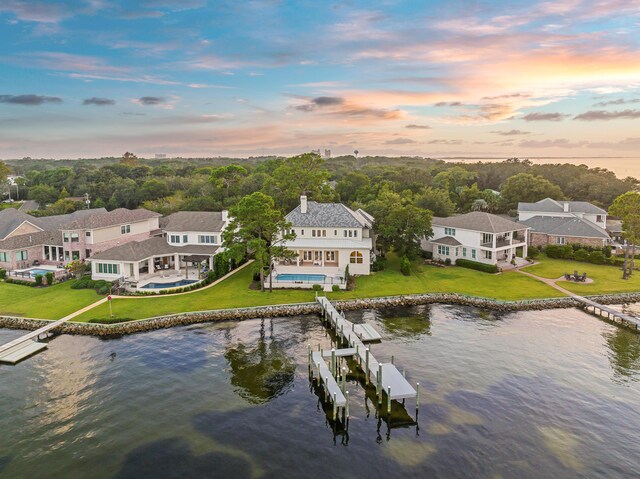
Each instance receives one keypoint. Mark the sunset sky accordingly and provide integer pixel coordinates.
(430, 78)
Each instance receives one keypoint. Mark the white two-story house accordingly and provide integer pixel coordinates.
(564, 222)
(477, 236)
(185, 242)
(329, 238)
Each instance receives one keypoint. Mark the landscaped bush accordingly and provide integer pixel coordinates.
(335, 288)
(317, 287)
(3, 273)
(378, 264)
(87, 283)
(20, 282)
(581, 255)
(597, 257)
(447, 261)
(533, 252)
(50, 277)
(103, 289)
(559, 251)
(487, 268)
(405, 266)
(426, 254)
(38, 279)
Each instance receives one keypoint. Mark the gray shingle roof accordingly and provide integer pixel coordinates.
(11, 218)
(479, 221)
(51, 238)
(327, 215)
(447, 240)
(563, 226)
(552, 206)
(158, 246)
(60, 221)
(193, 221)
(112, 218)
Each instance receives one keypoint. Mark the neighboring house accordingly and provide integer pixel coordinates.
(477, 236)
(184, 238)
(26, 239)
(329, 237)
(564, 222)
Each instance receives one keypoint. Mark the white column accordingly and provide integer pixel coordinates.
(211, 262)
(136, 270)
(298, 259)
(176, 260)
(322, 253)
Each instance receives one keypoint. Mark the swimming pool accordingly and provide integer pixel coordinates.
(175, 284)
(301, 278)
(33, 272)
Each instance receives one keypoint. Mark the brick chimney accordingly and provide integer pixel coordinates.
(303, 204)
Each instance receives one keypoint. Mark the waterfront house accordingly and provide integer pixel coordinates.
(185, 243)
(477, 236)
(564, 222)
(329, 238)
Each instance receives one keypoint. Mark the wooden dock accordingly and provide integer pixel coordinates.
(608, 313)
(384, 376)
(23, 346)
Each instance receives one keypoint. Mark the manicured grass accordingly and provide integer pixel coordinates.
(52, 302)
(235, 293)
(606, 279)
(510, 286)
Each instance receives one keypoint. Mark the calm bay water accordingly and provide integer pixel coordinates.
(523, 395)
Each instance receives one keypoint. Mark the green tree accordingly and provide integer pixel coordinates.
(261, 229)
(435, 200)
(43, 194)
(129, 159)
(528, 188)
(4, 172)
(300, 175)
(454, 179)
(399, 224)
(350, 184)
(153, 189)
(227, 176)
(626, 207)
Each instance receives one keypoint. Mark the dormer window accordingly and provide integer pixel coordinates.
(125, 229)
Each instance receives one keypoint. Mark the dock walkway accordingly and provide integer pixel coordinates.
(28, 344)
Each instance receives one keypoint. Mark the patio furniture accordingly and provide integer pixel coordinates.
(568, 277)
(583, 278)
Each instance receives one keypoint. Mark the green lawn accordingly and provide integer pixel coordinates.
(508, 286)
(606, 278)
(235, 293)
(53, 302)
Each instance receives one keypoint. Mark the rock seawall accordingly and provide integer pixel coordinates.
(239, 314)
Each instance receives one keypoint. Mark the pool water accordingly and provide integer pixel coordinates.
(36, 271)
(175, 284)
(305, 278)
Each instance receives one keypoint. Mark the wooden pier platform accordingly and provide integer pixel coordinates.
(609, 313)
(20, 351)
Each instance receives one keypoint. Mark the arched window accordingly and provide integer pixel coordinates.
(355, 257)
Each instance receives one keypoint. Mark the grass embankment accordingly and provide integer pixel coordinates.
(235, 293)
(606, 278)
(53, 302)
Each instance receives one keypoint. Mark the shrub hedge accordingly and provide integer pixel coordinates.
(109, 320)
(487, 268)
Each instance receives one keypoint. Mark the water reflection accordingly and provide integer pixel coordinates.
(261, 371)
(624, 353)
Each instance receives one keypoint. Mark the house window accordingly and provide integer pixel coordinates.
(87, 253)
(75, 237)
(22, 256)
(65, 237)
(335, 232)
(464, 252)
(75, 255)
(185, 238)
(301, 232)
(344, 233)
(560, 240)
(487, 238)
(87, 233)
(350, 234)
(443, 250)
(355, 233)
(313, 233)
(598, 218)
(66, 256)
(473, 254)
(4, 257)
(108, 268)
(308, 256)
(457, 251)
(330, 256)
(207, 239)
(450, 231)
(355, 257)
(324, 233)
(125, 229)
(488, 254)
